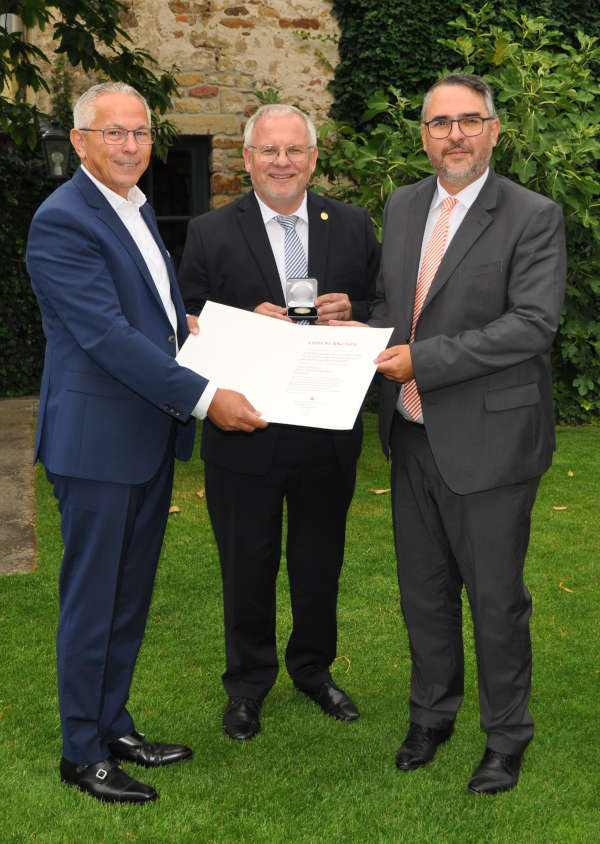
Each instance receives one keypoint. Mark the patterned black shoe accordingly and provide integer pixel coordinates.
(420, 745)
(240, 719)
(496, 772)
(333, 701)
(106, 781)
(150, 754)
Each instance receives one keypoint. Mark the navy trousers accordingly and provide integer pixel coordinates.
(112, 534)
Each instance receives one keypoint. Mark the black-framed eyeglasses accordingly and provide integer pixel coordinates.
(114, 137)
(294, 152)
(440, 128)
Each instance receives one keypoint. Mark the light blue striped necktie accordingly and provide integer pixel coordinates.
(296, 265)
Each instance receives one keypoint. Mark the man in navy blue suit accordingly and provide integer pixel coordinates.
(115, 409)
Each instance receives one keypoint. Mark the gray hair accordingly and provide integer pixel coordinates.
(276, 110)
(467, 80)
(84, 109)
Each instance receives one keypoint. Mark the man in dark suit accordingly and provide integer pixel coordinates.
(115, 410)
(472, 278)
(240, 255)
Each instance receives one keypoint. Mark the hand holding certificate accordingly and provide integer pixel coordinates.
(296, 375)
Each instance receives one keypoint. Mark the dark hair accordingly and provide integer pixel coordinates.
(467, 80)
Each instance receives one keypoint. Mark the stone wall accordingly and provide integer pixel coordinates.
(225, 53)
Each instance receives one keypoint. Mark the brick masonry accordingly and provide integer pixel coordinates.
(225, 54)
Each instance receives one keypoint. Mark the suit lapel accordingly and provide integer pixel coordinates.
(320, 221)
(411, 236)
(417, 218)
(111, 219)
(253, 231)
(476, 221)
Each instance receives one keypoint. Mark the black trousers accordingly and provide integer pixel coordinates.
(246, 513)
(444, 541)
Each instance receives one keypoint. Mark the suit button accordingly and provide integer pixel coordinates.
(171, 338)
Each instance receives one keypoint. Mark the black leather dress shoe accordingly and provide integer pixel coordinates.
(151, 754)
(496, 772)
(106, 781)
(240, 719)
(420, 745)
(333, 701)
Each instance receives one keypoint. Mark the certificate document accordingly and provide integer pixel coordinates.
(313, 375)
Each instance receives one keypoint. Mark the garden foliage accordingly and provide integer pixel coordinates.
(89, 33)
(23, 186)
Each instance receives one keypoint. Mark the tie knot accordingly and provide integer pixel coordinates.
(449, 203)
(287, 221)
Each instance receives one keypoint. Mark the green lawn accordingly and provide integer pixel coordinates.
(306, 777)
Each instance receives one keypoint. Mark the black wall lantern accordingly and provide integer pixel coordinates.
(57, 150)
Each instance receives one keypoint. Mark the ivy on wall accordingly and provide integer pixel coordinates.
(396, 42)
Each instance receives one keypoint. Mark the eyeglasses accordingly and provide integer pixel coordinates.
(294, 153)
(114, 137)
(439, 128)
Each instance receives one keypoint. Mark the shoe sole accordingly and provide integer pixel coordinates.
(491, 792)
(240, 738)
(104, 799)
(141, 764)
(414, 766)
(336, 715)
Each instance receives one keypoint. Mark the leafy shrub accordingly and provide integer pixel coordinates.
(364, 166)
(23, 186)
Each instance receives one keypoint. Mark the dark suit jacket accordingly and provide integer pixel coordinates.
(110, 388)
(228, 259)
(481, 349)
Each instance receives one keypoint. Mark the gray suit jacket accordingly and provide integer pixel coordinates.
(481, 349)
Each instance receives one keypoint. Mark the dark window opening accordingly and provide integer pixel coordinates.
(178, 189)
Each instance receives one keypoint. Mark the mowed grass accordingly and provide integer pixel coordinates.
(306, 777)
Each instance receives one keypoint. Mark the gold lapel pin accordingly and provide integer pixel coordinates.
(324, 215)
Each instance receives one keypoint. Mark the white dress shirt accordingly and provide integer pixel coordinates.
(128, 211)
(465, 198)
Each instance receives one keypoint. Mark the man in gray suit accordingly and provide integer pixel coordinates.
(466, 411)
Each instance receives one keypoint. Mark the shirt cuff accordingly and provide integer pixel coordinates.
(208, 394)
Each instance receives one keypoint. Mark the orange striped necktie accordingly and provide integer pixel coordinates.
(434, 253)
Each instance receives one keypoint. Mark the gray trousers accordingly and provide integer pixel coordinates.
(445, 541)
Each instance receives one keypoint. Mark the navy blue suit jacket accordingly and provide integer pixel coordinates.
(111, 387)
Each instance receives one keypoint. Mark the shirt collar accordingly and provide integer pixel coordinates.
(269, 214)
(135, 197)
(466, 196)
